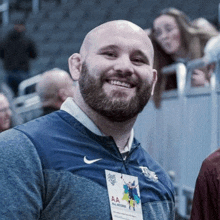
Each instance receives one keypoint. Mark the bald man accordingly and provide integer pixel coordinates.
(5, 113)
(54, 88)
(71, 164)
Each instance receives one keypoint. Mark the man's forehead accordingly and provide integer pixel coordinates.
(3, 100)
(114, 32)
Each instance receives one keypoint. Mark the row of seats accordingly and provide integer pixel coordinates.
(58, 30)
(45, 63)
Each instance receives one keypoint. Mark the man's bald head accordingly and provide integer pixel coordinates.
(122, 28)
(54, 84)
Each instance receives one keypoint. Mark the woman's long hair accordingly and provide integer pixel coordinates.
(193, 39)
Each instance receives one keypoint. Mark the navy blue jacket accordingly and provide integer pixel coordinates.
(46, 176)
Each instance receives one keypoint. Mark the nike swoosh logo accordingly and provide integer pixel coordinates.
(91, 161)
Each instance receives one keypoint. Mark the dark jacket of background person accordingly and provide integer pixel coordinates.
(16, 50)
(206, 200)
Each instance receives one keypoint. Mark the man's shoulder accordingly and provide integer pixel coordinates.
(12, 135)
(14, 144)
(35, 124)
(211, 165)
(43, 123)
(23, 138)
(214, 157)
(56, 123)
(213, 160)
(151, 162)
(153, 168)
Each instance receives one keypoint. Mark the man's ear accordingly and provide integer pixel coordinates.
(154, 80)
(75, 65)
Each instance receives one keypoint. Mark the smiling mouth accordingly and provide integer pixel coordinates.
(119, 83)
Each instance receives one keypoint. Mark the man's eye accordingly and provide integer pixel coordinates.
(110, 54)
(138, 60)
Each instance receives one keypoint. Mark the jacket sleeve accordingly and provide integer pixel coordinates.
(32, 50)
(21, 177)
(2, 52)
(205, 200)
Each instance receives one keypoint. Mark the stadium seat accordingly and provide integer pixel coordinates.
(56, 15)
(32, 81)
(28, 107)
(49, 49)
(40, 65)
(69, 25)
(40, 38)
(62, 62)
(76, 14)
(59, 37)
(47, 26)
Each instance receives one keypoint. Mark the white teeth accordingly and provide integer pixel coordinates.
(118, 83)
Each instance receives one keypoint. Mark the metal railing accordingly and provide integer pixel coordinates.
(181, 73)
(184, 194)
(28, 83)
(28, 106)
(35, 6)
(4, 9)
(187, 197)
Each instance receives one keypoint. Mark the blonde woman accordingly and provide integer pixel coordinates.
(175, 39)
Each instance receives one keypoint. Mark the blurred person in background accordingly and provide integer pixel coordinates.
(16, 118)
(202, 23)
(54, 87)
(175, 39)
(200, 78)
(212, 53)
(16, 50)
(210, 58)
(5, 113)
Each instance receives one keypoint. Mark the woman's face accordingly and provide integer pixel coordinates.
(167, 34)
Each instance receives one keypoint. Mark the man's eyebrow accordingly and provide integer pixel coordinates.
(109, 47)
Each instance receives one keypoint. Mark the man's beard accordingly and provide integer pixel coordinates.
(114, 108)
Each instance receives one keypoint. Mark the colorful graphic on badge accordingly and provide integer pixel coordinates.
(130, 194)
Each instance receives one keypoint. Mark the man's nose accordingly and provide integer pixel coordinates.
(9, 112)
(124, 66)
